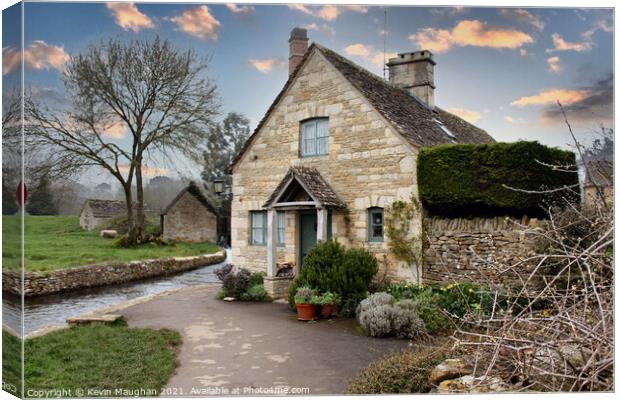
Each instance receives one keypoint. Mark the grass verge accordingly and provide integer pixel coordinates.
(57, 242)
(95, 361)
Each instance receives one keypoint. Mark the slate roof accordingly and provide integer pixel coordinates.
(106, 208)
(312, 181)
(601, 172)
(409, 115)
(195, 191)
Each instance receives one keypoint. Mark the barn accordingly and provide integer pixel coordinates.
(190, 217)
(97, 213)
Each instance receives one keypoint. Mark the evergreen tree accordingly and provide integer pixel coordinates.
(41, 201)
(9, 203)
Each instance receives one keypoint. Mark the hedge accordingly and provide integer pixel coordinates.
(467, 179)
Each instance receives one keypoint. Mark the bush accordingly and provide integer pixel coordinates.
(429, 310)
(237, 283)
(381, 316)
(257, 292)
(330, 267)
(223, 271)
(304, 295)
(257, 278)
(404, 372)
(469, 179)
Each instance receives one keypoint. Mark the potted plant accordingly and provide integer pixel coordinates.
(328, 302)
(306, 311)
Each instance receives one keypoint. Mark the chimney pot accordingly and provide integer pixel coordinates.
(298, 44)
(414, 72)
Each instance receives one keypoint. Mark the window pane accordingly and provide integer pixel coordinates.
(322, 128)
(308, 138)
(377, 231)
(377, 218)
(281, 227)
(323, 146)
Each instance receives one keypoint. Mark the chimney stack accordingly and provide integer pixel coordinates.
(298, 44)
(414, 72)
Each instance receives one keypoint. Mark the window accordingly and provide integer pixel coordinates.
(315, 137)
(375, 224)
(281, 228)
(258, 221)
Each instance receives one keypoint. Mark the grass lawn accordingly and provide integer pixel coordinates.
(100, 358)
(56, 242)
(11, 363)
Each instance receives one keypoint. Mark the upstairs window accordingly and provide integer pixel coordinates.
(375, 224)
(315, 137)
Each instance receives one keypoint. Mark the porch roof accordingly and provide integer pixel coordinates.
(311, 182)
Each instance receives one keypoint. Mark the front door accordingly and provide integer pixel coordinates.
(307, 240)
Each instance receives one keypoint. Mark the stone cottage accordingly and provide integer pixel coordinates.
(337, 146)
(97, 213)
(598, 182)
(190, 217)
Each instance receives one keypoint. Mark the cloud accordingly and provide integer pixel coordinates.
(559, 44)
(448, 11)
(470, 33)
(524, 16)
(554, 64)
(358, 49)
(327, 12)
(595, 104)
(11, 59)
(242, 10)
(129, 17)
(368, 53)
(198, 22)
(116, 130)
(38, 55)
(146, 170)
(512, 120)
(523, 52)
(551, 96)
(326, 29)
(267, 65)
(468, 115)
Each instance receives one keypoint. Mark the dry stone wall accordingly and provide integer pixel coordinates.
(460, 249)
(37, 284)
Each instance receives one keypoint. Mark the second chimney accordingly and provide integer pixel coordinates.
(298, 44)
(414, 72)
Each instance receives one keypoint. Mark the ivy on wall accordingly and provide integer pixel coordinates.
(403, 245)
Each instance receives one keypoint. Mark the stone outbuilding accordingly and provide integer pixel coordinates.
(599, 182)
(190, 217)
(97, 213)
(336, 147)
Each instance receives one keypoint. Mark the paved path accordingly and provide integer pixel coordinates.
(256, 345)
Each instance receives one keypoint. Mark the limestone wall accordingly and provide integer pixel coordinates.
(101, 274)
(460, 249)
(368, 164)
(190, 221)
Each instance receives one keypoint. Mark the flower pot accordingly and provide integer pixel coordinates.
(306, 312)
(327, 310)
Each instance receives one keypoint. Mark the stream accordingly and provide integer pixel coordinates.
(55, 309)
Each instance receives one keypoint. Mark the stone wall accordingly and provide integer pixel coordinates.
(190, 221)
(460, 249)
(368, 165)
(277, 287)
(37, 284)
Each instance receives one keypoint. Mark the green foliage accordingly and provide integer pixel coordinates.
(58, 242)
(469, 179)
(380, 315)
(257, 278)
(404, 372)
(398, 217)
(11, 363)
(41, 201)
(257, 292)
(330, 267)
(326, 298)
(304, 295)
(236, 283)
(241, 284)
(72, 358)
(429, 310)
(9, 202)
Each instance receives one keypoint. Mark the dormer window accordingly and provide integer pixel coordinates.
(314, 137)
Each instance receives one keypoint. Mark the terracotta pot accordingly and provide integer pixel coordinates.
(327, 310)
(306, 312)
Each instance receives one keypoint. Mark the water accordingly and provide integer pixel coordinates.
(55, 309)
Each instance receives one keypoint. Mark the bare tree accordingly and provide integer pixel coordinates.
(157, 94)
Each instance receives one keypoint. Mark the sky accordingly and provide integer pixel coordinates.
(502, 69)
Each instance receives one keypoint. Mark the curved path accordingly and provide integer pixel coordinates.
(256, 348)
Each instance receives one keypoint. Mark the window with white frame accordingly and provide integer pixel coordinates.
(258, 227)
(281, 227)
(315, 137)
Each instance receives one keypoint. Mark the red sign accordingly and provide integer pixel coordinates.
(21, 199)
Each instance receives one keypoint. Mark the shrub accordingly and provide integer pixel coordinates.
(223, 271)
(330, 267)
(257, 278)
(257, 292)
(381, 316)
(237, 283)
(469, 179)
(429, 310)
(403, 372)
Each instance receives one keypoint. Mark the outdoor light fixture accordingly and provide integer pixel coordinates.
(218, 185)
